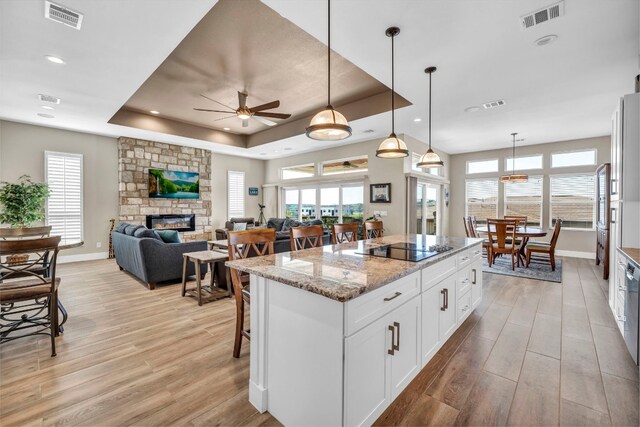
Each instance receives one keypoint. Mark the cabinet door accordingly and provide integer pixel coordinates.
(431, 303)
(405, 360)
(367, 372)
(476, 283)
(447, 290)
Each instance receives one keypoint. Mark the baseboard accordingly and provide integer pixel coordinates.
(576, 254)
(63, 259)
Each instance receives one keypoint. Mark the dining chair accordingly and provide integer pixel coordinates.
(544, 248)
(521, 220)
(467, 221)
(306, 237)
(242, 245)
(28, 233)
(472, 225)
(373, 229)
(343, 233)
(29, 298)
(502, 237)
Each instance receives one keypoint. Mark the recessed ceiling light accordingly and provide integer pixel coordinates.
(226, 128)
(46, 107)
(288, 149)
(154, 112)
(417, 119)
(472, 109)
(545, 40)
(46, 116)
(55, 59)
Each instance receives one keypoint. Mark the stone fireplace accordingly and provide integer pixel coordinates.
(176, 222)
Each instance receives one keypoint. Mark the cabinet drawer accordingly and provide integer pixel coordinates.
(463, 282)
(434, 274)
(361, 311)
(464, 258)
(464, 306)
(476, 252)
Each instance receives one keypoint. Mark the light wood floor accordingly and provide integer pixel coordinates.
(534, 353)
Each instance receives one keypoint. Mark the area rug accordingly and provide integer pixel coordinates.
(502, 265)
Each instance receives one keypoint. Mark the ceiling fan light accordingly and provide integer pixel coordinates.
(392, 148)
(328, 125)
(430, 160)
(244, 116)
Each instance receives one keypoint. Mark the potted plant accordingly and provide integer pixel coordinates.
(22, 202)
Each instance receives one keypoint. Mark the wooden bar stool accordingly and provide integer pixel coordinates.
(343, 233)
(373, 229)
(209, 293)
(305, 237)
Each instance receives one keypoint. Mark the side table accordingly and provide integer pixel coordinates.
(206, 293)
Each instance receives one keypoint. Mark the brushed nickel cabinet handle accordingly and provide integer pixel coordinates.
(444, 299)
(475, 278)
(392, 351)
(396, 295)
(396, 346)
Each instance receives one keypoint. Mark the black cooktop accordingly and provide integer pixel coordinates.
(407, 251)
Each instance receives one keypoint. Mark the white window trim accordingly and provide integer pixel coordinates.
(504, 198)
(315, 171)
(581, 150)
(506, 159)
(46, 180)
(346, 159)
(482, 160)
(229, 214)
(595, 202)
(466, 205)
(318, 187)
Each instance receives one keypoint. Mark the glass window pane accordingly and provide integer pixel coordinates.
(329, 205)
(482, 199)
(573, 200)
(524, 199)
(482, 166)
(524, 163)
(291, 204)
(352, 204)
(336, 167)
(300, 171)
(419, 208)
(431, 204)
(575, 158)
(308, 208)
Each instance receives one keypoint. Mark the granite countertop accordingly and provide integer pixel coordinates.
(342, 272)
(632, 253)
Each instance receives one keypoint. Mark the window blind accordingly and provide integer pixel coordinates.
(63, 211)
(235, 184)
(482, 199)
(573, 200)
(524, 199)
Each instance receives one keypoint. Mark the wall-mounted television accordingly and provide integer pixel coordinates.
(173, 184)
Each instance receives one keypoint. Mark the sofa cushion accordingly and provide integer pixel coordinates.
(276, 223)
(131, 229)
(239, 226)
(145, 232)
(281, 235)
(169, 236)
(315, 222)
(289, 223)
(120, 228)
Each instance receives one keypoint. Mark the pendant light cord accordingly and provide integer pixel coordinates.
(430, 110)
(393, 103)
(513, 156)
(329, 52)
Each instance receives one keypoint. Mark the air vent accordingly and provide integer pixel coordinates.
(368, 131)
(61, 14)
(48, 99)
(543, 15)
(494, 104)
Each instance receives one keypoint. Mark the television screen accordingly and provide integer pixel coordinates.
(173, 184)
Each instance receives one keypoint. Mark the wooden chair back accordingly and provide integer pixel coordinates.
(465, 220)
(247, 244)
(499, 231)
(343, 233)
(32, 266)
(521, 220)
(19, 233)
(306, 237)
(556, 233)
(373, 229)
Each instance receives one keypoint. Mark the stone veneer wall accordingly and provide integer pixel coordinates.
(136, 156)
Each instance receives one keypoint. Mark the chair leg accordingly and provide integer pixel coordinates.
(528, 258)
(513, 265)
(53, 310)
(552, 259)
(239, 326)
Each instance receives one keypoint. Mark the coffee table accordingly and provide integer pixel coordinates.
(213, 291)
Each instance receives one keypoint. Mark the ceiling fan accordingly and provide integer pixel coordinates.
(245, 113)
(348, 165)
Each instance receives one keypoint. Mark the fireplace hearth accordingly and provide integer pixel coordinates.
(172, 222)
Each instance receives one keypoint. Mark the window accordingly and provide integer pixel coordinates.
(573, 200)
(308, 204)
(482, 199)
(352, 206)
(524, 163)
(415, 158)
(291, 204)
(340, 203)
(235, 184)
(353, 165)
(330, 205)
(482, 166)
(573, 158)
(524, 199)
(300, 171)
(63, 174)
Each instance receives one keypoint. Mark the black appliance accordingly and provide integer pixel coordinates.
(631, 310)
(407, 251)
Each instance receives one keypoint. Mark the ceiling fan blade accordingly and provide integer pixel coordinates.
(223, 118)
(245, 123)
(213, 111)
(217, 102)
(242, 99)
(264, 121)
(267, 106)
(273, 115)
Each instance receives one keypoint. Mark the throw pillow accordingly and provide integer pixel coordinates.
(145, 232)
(169, 236)
(275, 223)
(315, 222)
(239, 226)
(131, 229)
(120, 228)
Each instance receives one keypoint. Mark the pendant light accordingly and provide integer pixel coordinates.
(392, 147)
(514, 177)
(430, 159)
(328, 124)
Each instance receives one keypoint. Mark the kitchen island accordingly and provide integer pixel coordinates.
(336, 334)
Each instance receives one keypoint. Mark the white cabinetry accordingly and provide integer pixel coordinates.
(476, 282)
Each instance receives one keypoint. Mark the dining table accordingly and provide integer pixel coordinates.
(522, 232)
